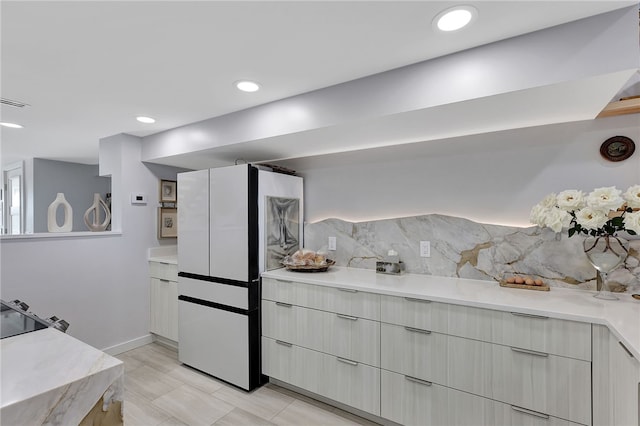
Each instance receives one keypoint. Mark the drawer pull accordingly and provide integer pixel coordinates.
(626, 350)
(284, 305)
(413, 299)
(520, 314)
(162, 280)
(530, 412)
(164, 263)
(347, 317)
(280, 342)
(526, 351)
(416, 380)
(346, 361)
(417, 330)
(283, 281)
(348, 290)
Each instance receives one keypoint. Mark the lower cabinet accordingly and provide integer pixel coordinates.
(163, 303)
(616, 381)
(410, 401)
(350, 382)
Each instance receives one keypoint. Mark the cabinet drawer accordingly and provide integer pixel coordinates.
(417, 313)
(343, 380)
(550, 384)
(414, 352)
(412, 402)
(163, 271)
(538, 333)
(335, 334)
(332, 299)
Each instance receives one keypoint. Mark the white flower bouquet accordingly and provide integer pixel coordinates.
(604, 211)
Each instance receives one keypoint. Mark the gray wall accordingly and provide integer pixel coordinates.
(78, 182)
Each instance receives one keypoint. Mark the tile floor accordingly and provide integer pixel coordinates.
(159, 390)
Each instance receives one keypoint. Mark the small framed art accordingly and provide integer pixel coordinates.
(167, 222)
(168, 191)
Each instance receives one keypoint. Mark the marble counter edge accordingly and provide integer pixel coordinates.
(63, 389)
(451, 290)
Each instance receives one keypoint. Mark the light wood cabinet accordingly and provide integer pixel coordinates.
(434, 363)
(539, 333)
(409, 401)
(616, 381)
(163, 304)
(411, 312)
(333, 299)
(342, 335)
(322, 339)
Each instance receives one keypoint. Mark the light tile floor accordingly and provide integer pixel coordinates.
(159, 390)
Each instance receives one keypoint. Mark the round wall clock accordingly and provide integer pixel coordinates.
(617, 148)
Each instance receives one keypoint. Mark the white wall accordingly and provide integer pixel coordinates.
(491, 178)
(98, 284)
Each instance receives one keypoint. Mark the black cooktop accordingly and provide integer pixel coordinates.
(13, 321)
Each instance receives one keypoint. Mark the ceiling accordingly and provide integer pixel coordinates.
(87, 69)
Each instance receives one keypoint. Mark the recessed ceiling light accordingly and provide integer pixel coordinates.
(12, 125)
(247, 86)
(146, 120)
(455, 18)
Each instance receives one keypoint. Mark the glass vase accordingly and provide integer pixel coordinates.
(606, 253)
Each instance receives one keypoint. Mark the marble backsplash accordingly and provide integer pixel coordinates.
(466, 249)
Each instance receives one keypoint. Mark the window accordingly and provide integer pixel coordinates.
(12, 200)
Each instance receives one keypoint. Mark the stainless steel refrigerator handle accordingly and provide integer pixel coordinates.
(417, 330)
(528, 352)
(530, 412)
(520, 314)
(347, 317)
(413, 299)
(416, 380)
(346, 361)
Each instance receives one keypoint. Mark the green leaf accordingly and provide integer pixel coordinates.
(571, 232)
(631, 232)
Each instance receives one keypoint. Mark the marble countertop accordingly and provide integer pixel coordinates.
(622, 316)
(172, 259)
(49, 377)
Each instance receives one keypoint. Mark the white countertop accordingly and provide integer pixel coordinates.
(164, 259)
(621, 316)
(49, 377)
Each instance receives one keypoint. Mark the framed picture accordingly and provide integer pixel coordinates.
(282, 230)
(167, 222)
(168, 191)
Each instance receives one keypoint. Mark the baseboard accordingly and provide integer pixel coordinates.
(334, 403)
(165, 342)
(127, 346)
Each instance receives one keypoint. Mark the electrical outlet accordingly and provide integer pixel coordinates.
(425, 248)
(332, 243)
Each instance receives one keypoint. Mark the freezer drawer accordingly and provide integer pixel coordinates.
(215, 341)
(224, 294)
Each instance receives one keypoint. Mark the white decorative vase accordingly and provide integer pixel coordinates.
(52, 223)
(94, 223)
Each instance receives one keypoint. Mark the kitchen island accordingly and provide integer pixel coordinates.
(51, 378)
(420, 349)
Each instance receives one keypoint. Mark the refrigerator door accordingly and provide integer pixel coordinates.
(215, 341)
(230, 255)
(193, 222)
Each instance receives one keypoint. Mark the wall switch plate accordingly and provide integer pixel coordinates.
(138, 198)
(425, 248)
(332, 243)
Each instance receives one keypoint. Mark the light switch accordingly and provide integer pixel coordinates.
(425, 248)
(332, 243)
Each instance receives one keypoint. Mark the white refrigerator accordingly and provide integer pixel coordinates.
(233, 223)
